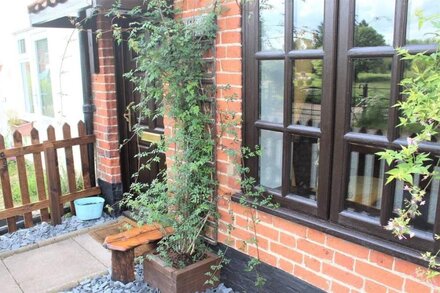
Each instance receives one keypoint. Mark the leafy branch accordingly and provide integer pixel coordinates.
(421, 107)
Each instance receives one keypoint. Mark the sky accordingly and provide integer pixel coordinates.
(17, 19)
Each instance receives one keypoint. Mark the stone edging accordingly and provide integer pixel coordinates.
(58, 238)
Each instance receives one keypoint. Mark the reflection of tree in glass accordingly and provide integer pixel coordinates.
(371, 84)
(319, 37)
(371, 91)
(308, 38)
(271, 24)
(367, 36)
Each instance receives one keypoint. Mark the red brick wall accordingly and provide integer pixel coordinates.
(325, 261)
(105, 121)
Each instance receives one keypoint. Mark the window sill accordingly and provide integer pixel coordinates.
(363, 239)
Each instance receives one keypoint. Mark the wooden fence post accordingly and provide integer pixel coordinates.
(70, 166)
(53, 178)
(23, 179)
(6, 186)
(39, 175)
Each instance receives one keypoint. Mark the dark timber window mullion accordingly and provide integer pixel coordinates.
(328, 103)
(251, 33)
(288, 45)
(342, 112)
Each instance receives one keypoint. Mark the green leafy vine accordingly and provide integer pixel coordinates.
(420, 108)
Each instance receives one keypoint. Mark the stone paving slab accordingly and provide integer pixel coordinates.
(54, 266)
(7, 282)
(95, 248)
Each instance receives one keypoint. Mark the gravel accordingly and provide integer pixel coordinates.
(106, 285)
(103, 283)
(45, 231)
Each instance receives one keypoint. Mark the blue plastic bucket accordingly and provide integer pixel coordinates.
(89, 208)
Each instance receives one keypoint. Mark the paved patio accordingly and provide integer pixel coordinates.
(54, 267)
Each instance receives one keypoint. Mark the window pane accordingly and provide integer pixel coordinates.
(25, 71)
(21, 46)
(374, 23)
(365, 181)
(427, 219)
(307, 92)
(304, 166)
(308, 24)
(271, 25)
(43, 69)
(272, 90)
(414, 35)
(271, 158)
(371, 89)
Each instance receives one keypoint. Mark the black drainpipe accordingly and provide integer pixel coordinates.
(88, 107)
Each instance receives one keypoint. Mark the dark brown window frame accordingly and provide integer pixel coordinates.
(253, 125)
(329, 214)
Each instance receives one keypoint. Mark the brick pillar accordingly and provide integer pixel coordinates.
(105, 119)
(229, 83)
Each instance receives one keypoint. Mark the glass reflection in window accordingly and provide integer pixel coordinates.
(25, 71)
(371, 88)
(44, 79)
(271, 90)
(271, 25)
(307, 92)
(308, 24)
(304, 166)
(366, 181)
(271, 158)
(423, 35)
(374, 23)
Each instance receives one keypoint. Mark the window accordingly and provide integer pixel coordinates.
(36, 82)
(25, 75)
(43, 77)
(327, 76)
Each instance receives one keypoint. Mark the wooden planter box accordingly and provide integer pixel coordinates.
(187, 280)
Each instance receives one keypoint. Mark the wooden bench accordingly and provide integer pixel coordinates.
(123, 244)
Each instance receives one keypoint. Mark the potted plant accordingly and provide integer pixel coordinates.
(23, 126)
(170, 70)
